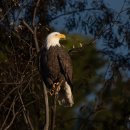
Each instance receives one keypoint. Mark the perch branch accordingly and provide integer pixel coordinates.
(53, 116)
(46, 127)
(53, 110)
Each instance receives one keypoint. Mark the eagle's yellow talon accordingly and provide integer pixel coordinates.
(50, 93)
(57, 83)
(56, 87)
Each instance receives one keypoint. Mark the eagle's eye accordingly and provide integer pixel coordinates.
(56, 34)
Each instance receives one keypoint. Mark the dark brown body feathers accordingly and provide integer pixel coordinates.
(55, 66)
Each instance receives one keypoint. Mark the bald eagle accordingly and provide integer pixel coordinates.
(56, 68)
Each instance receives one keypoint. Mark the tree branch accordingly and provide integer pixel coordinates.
(35, 27)
(35, 39)
(34, 32)
(71, 12)
(46, 127)
(53, 114)
(35, 11)
(29, 28)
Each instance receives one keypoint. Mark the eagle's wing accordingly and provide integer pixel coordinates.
(43, 68)
(65, 65)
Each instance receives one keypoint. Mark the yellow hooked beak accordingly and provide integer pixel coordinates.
(61, 36)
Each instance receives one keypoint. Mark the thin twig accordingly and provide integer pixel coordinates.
(35, 39)
(26, 115)
(34, 32)
(13, 118)
(71, 12)
(35, 27)
(29, 28)
(35, 11)
(7, 116)
(7, 96)
(6, 13)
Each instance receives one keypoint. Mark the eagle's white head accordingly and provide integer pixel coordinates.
(53, 39)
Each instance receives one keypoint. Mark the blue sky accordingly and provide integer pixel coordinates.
(115, 4)
(59, 24)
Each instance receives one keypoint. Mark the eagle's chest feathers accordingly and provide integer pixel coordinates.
(52, 59)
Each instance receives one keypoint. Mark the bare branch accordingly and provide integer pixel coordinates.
(46, 127)
(70, 12)
(35, 39)
(34, 32)
(29, 28)
(7, 96)
(26, 115)
(35, 27)
(53, 114)
(7, 116)
(35, 11)
(13, 118)
(7, 12)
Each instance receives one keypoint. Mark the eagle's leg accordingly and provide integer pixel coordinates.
(56, 88)
(51, 92)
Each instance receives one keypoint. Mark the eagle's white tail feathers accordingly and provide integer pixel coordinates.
(65, 96)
